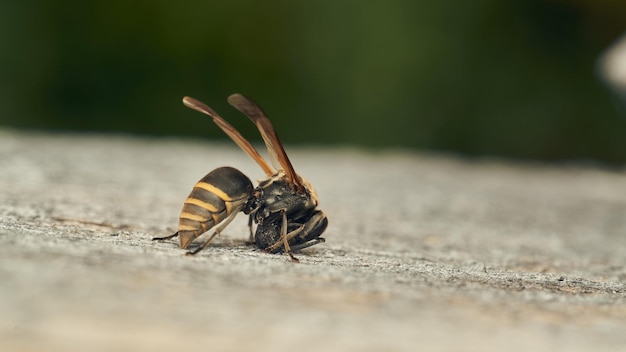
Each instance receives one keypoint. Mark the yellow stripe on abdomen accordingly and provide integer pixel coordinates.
(204, 205)
(210, 188)
(184, 227)
(194, 217)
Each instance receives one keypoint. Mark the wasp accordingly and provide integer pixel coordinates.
(283, 206)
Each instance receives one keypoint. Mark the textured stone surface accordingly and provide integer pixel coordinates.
(423, 251)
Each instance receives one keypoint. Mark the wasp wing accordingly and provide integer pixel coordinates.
(263, 123)
(230, 131)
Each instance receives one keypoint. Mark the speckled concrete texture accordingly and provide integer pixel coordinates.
(424, 252)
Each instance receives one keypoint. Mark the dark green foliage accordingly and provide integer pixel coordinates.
(484, 77)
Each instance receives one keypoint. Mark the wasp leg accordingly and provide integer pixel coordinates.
(284, 239)
(276, 246)
(165, 237)
(307, 234)
(283, 234)
(308, 244)
(216, 232)
(251, 238)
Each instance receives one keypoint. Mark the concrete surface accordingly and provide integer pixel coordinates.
(423, 252)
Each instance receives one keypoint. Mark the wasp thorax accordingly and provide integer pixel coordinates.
(272, 198)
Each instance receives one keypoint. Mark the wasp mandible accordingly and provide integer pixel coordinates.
(283, 207)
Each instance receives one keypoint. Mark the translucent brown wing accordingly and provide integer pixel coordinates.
(263, 123)
(231, 132)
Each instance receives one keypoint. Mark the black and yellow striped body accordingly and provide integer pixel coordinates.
(216, 196)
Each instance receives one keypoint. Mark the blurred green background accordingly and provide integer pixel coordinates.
(486, 77)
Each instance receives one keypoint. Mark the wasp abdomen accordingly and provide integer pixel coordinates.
(212, 200)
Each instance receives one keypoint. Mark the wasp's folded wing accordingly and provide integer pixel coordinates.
(230, 131)
(274, 146)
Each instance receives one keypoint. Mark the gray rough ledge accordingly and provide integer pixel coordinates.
(423, 252)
